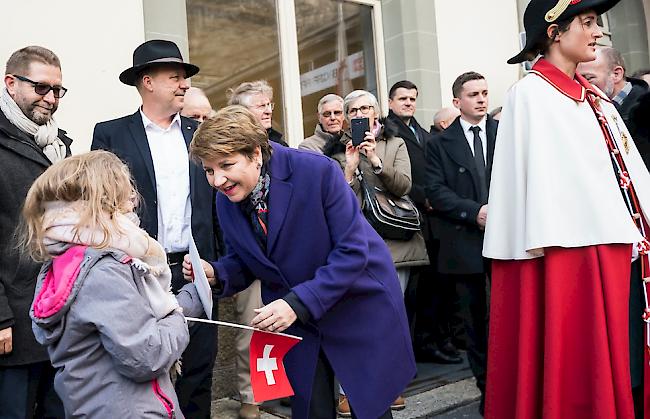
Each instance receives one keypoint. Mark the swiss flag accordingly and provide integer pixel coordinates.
(268, 377)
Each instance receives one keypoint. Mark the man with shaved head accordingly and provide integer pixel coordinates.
(196, 105)
(443, 118)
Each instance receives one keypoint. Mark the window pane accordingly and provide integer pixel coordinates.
(234, 41)
(336, 52)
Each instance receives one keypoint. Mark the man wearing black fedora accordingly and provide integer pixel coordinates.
(176, 198)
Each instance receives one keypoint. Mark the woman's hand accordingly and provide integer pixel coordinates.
(274, 317)
(368, 147)
(188, 272)
(351, 160)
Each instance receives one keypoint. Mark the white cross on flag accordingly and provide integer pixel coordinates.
(268, 377)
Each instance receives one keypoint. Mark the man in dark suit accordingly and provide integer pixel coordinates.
(458, 179)
(431, 336)
(177, 200)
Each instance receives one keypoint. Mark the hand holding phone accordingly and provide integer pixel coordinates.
(359, 127)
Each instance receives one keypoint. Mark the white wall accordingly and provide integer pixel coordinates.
(477, 35)
(95, 41)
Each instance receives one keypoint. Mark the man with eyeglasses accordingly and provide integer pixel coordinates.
(30, 141)
(257, 96)
(178, 201)
(330, 124)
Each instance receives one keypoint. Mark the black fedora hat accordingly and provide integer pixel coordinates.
(156, 51)
(540, 14)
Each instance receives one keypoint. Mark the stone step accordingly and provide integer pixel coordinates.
(440, 400)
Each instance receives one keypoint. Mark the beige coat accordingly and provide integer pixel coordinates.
(396, 178)
(317, 141)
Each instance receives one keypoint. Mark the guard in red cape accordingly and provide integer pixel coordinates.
(268, 377)
(569, 199)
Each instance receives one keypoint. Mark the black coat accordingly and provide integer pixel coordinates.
(126, 137)
(639, 126)
(453, 190)
(22, 161)
(276, 137)
(639, 88)
(417, 155)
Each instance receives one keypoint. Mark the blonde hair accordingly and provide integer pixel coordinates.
(233, 129)
(241, 94)
(98, 179)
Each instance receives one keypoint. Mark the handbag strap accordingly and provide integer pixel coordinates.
(359, 174)
(364, 187)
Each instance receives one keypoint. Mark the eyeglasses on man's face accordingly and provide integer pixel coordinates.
(327, 114)
(43, 88)
(363, 109)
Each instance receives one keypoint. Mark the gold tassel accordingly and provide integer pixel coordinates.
(554, 13)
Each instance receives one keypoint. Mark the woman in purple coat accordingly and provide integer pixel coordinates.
(290, 219)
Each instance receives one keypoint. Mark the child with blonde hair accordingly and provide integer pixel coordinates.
(103, 305)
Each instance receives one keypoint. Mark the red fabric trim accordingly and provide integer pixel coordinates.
(556, 78)
(573, 88)
(558, 344)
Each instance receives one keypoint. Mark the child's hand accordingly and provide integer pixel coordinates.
(188, 272)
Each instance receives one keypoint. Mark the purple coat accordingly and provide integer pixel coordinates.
(321, 247)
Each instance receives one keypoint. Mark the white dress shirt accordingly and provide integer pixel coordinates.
(171, 166)
(470, 135)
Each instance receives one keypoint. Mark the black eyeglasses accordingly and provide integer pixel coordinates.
(364, 110)
(43, 88)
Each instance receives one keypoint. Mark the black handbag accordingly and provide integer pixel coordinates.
(393, 217)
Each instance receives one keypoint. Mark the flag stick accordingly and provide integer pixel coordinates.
(240, 326)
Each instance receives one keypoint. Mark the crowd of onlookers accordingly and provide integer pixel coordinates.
(445, 171)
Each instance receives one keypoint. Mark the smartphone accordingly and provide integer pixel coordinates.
(359, 127)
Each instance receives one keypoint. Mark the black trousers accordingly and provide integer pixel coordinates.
(471, 291)
(435, 298)
(27, 391)
(194, 385)
(323, 395)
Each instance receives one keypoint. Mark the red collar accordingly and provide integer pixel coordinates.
(575, 88)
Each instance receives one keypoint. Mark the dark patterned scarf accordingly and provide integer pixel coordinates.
(255, 206)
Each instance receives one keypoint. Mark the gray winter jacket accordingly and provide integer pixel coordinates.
(111, 354)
